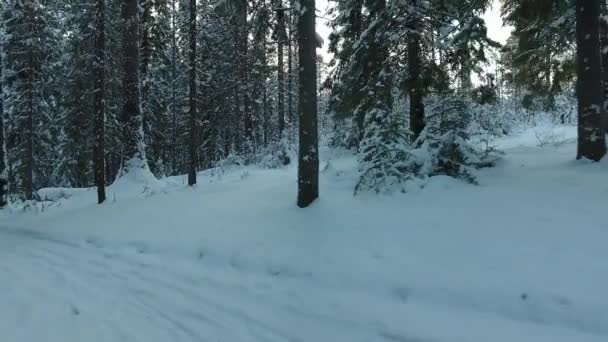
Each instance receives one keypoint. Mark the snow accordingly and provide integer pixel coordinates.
(521, 257)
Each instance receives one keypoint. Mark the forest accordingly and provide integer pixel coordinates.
(303, 170)
(92, 90)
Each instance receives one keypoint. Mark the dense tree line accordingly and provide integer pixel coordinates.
(95, 90)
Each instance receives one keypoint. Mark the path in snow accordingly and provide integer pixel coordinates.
(509, 264)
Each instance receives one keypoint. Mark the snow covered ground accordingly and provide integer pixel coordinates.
(522, 257)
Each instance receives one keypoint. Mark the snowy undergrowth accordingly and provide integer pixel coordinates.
(521, 257)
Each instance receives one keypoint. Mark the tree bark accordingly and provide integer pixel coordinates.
(99, 103)
(308, 167)
(192, 123)
(604, 57)
(134, 155)
(281, 67)
(290, 115)
(591, 133)
(417, 120)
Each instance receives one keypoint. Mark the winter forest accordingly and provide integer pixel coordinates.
(156, 157)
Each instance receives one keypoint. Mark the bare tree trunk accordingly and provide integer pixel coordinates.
(99, 102)
(591, 133)
(290, 116)
(174, 168)
(146, 52)
(308, 166)
(28, 158)
(192, 123)
(280, 37)
(134, 155)
(604, 57)
(281, 85)
(417, 120)
(3, 161)
(265, 123)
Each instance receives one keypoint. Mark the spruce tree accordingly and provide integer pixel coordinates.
(27, 45)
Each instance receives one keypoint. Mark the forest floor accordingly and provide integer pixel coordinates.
(521, 257)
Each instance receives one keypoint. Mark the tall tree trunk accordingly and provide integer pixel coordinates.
(146, 49)
(3, 161)
(28, 158)
(290, 116)
(242, 75)
(281, 68)
(281, 85)
(417, 120)
(591, 134)
(192, 124)
(604, 56)
(308, 166)
(99, 102)
(265, 111)
(134, 155)
(174, 85)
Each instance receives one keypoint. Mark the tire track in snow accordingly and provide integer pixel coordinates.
(76, 270)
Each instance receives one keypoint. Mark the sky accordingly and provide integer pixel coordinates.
(496, 30)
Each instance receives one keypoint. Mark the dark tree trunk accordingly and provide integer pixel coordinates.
(99, 102)
(28, 158)
(192, 123)
(308, 166)
(281, 95)
(591, 134)
(417, 120)
(265, 111)
(604, 57)
(146, 49)
(133, 144)
(242, 75)
(289, 36)
(280, 37)
(3, 163)
(174, 85)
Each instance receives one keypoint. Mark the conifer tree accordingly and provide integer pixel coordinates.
(27, 45)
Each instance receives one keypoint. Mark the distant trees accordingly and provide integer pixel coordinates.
(94, 88)
(28, 96)
(543, 61)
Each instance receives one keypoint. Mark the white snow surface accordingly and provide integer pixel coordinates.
(521, 257)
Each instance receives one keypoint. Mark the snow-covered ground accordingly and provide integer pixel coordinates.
(522, 257)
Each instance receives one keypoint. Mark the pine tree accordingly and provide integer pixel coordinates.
(26, 46)
(543, 58)
(78, 97)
